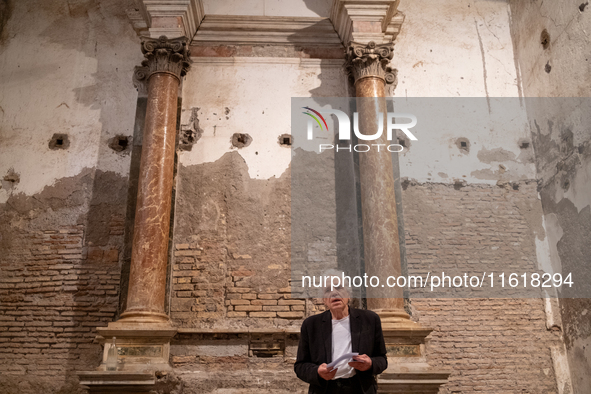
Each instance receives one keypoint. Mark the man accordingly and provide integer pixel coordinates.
(338, 331)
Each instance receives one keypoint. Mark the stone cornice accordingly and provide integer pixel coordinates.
(138, 22)
(359, 21)
(172, 18)
(266, 30)
(363, 21)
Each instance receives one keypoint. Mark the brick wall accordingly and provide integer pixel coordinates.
(54, 293)
(197, 282)
(232, 248)
(56, 288)
(60, 274)
(210, 283)
(492, 345)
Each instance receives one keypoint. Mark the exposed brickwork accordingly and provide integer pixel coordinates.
(232, 248)
(205, 275)
(473, 229)
(54, 294)
(198, 281)
(59, 280)
(243, 298)
(492, 345)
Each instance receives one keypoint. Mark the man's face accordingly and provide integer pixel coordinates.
(336, 300)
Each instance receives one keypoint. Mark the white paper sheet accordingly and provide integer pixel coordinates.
(343, 357)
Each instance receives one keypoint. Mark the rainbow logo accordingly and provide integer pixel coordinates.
(315, 118)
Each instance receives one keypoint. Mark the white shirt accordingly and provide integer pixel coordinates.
(341, 344)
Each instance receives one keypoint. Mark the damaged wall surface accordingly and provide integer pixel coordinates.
(67, 107)
(552, 47)
(65, 69)
(231, 264)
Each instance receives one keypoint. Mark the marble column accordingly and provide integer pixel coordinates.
(368, 64)
(408, 370)
(166, 61)
(145, 327)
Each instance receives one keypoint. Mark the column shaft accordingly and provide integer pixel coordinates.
(147, 280)
(369, 66)
(166, 62)
(378, 202)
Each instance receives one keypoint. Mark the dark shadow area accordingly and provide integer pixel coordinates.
(132, 188)
(349, 230)
(318, 6)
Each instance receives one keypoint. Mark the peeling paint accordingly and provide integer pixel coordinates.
(497, 155)
(87, 66)
(5, 13)
(241, 80)
(220, 207)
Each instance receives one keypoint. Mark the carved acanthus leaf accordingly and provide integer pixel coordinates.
(167, 56)
(371, 60)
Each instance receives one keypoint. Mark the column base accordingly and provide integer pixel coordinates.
(426, 381)
(399, 321)
(408, 370)
(117, 382)
(144, 318)
(143, 342)
(405, 339)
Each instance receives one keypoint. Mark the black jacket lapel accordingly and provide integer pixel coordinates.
(355, 323)
(327, 335)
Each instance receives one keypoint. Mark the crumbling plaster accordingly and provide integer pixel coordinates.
(463, 49)
(567, 23)
(561, 139)
(471, 57)
(253, 96)
(65, 67)
(455, 49)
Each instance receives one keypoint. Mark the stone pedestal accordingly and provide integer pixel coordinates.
(117, 382)
(140, 347)
(408, 370)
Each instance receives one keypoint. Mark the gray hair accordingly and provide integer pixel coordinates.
(331, 285)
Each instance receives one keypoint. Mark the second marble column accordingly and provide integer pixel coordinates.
(368, 65)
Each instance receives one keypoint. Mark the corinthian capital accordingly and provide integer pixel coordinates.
(166, 56)
(371, 60)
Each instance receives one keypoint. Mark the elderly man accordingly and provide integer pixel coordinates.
(340, 330)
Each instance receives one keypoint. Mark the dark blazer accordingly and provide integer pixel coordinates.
(315, 348)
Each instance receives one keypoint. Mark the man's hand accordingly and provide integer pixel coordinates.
(326, 373)
(361, 362)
